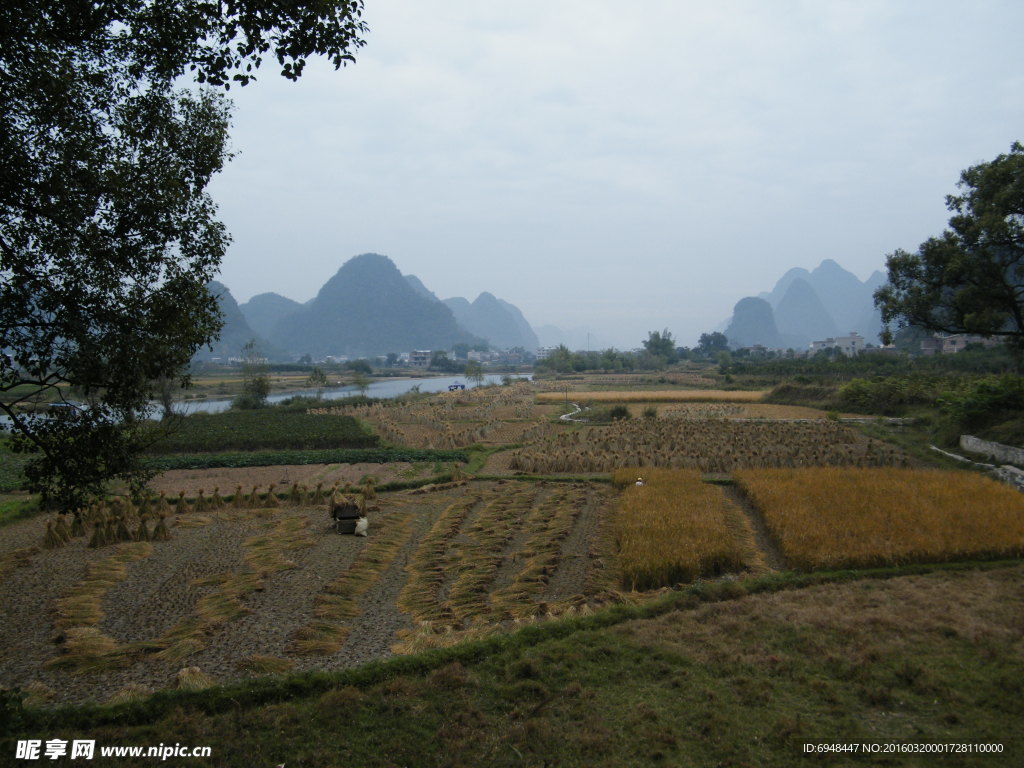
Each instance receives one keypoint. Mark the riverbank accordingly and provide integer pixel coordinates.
(378, 388)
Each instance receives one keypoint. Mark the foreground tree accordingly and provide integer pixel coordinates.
(107, 235)
(971, 278)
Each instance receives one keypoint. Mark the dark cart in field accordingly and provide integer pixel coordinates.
(345, 512)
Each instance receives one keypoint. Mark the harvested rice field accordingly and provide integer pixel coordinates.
(709, 445)
(698, 411)
(482, 416)
(227, 479)
(241, 591)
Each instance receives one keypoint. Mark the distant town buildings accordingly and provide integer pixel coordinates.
(850, 345)
(950, 344)
(420, 358)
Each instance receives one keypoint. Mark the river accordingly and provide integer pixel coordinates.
(385, 388)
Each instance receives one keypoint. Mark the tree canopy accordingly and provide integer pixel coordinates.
(108, 237)
(660, 344)
(970, 279)
(710, 343)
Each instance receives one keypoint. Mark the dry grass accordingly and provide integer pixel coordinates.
(672, 529)
(733, 411)
(131, 692)
(830, 517)
(38, 694)
(192, 521)
(193, 679)
(259, 664)
(549, 524)
(426, 569)
(479, 552)
(85, 647)
(657, 396)
(429, 635)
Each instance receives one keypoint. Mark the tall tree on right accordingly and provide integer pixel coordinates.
(970, 279)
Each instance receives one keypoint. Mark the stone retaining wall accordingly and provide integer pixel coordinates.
(1006, 454)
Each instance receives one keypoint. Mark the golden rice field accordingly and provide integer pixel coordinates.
(656, 396)
(672, 529)
(829, 517)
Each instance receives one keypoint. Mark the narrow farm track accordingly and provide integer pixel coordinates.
(760, 553)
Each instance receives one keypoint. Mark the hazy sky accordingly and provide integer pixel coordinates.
(620, 167)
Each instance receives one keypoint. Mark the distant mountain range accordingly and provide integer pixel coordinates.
(367, 308)
(808, 306)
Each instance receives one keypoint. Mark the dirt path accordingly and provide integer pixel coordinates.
(760, 553)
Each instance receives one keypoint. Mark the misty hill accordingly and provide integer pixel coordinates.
(420, 288)
(841, 292)
(370, 308)
(801, 317)
(265, 311)
(753, 323)
(501, 323)
(366, 309)
(234, 334)
(812, 305)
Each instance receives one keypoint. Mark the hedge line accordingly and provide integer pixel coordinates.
(325, 456)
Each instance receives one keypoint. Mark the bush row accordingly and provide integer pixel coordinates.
(270, 458)
(267, 428)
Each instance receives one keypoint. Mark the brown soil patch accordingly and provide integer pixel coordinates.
(228, 478)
